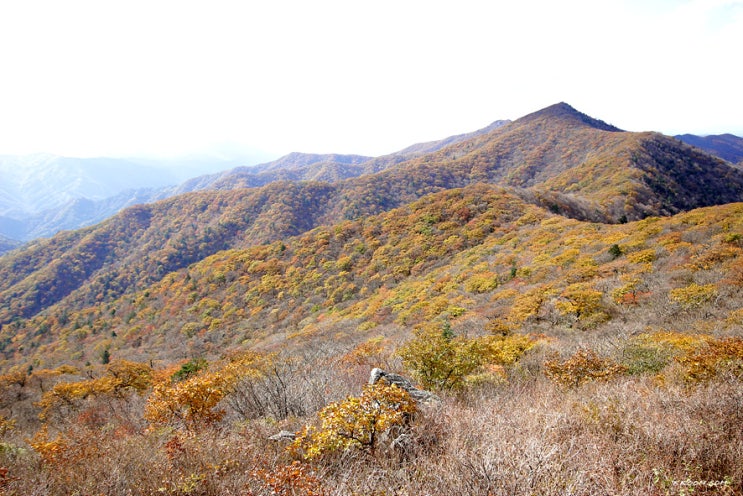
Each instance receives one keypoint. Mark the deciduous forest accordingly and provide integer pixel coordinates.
(565, 296)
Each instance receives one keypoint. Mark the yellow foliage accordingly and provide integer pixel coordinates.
(505, 294)
(190, 403)
(566, 258)
(482, 282)
(619, 295)
(50, 450)
(693, 295)
(705, 362)
(579, 299)
(440, 360)
(714, 256)
(121, 379)
(6, 425)
(356, 422)
(505, 350)
(527, 305)
(642, 256)
(735, 318)
(675, 341)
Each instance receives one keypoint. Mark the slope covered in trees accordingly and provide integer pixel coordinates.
(726, 146)
(157, 352)
(497, 305)
(556, 158)
(464, 256)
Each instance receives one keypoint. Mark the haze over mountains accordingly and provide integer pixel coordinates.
(726, 146)
(42, 194)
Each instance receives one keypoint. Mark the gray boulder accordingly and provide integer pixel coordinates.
(419, 395)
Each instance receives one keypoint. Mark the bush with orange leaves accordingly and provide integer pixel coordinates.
(121, 379)
(717, 355)
(584, 366)
(50, 450)
(192, 401)
(290, 480)
(189, 403)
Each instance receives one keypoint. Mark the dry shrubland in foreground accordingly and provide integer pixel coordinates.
(643, 421)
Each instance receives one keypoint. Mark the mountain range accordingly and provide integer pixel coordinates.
(550, 305)
(726, 146)
(44, 194)
(557, 159)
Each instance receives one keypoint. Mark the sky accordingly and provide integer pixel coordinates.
(169, 78)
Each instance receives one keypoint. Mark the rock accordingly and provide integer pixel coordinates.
(283, 436)
(419, 395)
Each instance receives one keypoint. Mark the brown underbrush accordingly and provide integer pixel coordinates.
(528, 434)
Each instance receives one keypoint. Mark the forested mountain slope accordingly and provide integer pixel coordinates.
(466, 256)
(221, 342)
(557, 158)
(726, 146)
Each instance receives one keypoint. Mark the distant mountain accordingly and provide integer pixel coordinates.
(76, 214)
(35, 183)
(567, 160)
(314, 167)
(43, 194)
(726, 146)
(7, 244)
(557, 158)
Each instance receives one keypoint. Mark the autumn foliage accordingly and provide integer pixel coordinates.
(358, 422)
(557, 322)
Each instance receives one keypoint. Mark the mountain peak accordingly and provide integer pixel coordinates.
(564, 112)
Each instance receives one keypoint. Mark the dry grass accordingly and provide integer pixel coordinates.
(627, 434)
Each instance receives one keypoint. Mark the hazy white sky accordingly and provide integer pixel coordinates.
(101, 77)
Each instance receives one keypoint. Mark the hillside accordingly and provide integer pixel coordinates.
(726, 146)
(568, 296)
(32, 184)
(326, 167)
(567, 159)
(466, 256)
(43, 194)
(556, 158)
(7, 244)
(563, 145)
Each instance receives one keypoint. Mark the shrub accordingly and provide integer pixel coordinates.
(505, 350)
(290, 480)
(584, 366)
(356, 422)
(189, 403)
(706, 362)
(440, 360)
(693, 295)
(641, 357)
(580, 300)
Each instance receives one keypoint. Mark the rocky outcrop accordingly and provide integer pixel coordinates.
(419, 395)
(283, 436)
